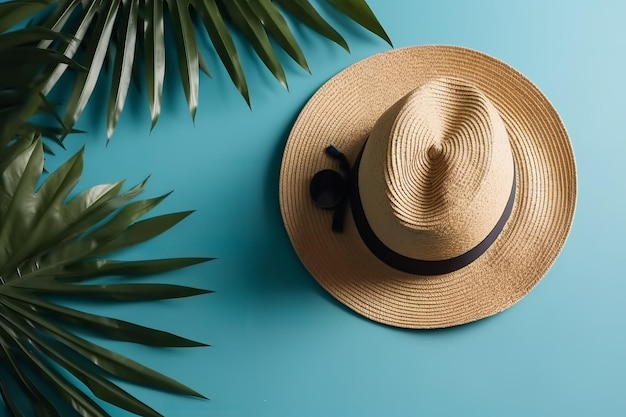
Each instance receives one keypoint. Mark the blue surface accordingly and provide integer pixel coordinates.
(281, 345)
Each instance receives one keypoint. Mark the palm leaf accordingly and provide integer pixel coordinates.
(122, 70)
(52, 243)
(278, 28)
(12, 13)
(96, 52)
(244, 18)
(109, 327)
(121, 28)
(306, 13)
(223, 42)
(187, 50)
(359, 11)
(67, 239)
(154, 47)
(22, 72)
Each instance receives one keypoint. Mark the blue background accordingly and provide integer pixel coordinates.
(281, 345)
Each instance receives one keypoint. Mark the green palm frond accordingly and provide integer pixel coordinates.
(132, 29)
(22, 72)
(53, 244)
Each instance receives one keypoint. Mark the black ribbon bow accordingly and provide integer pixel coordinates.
(330, 189)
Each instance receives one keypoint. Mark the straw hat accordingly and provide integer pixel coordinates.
(428, 186)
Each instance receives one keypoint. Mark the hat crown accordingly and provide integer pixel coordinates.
(437, 171)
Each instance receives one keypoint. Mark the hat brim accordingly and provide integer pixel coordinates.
(343, 111)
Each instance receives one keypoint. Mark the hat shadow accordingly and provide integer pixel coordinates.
(280, 268)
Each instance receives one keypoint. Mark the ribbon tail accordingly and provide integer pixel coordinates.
(339, 216)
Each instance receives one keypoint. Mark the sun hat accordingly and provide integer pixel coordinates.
(428, 186)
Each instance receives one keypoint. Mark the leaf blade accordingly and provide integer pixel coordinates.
(154, 55)
(274, 22)
(105, 359)
(223, 44)
(114, 292)
(43, 406)
(187, 51)
(360, 12)
(101, 387)
(12, 13)
(29, 35)
(242, 16)
(123, 66)
(56, 21)
(18, 183)
(73, 396)
(105, 326)
(141, 231)
(96, 53)
(304, 11)
(101, 267)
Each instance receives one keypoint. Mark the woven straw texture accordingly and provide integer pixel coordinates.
(437, 171)
(344, 112)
